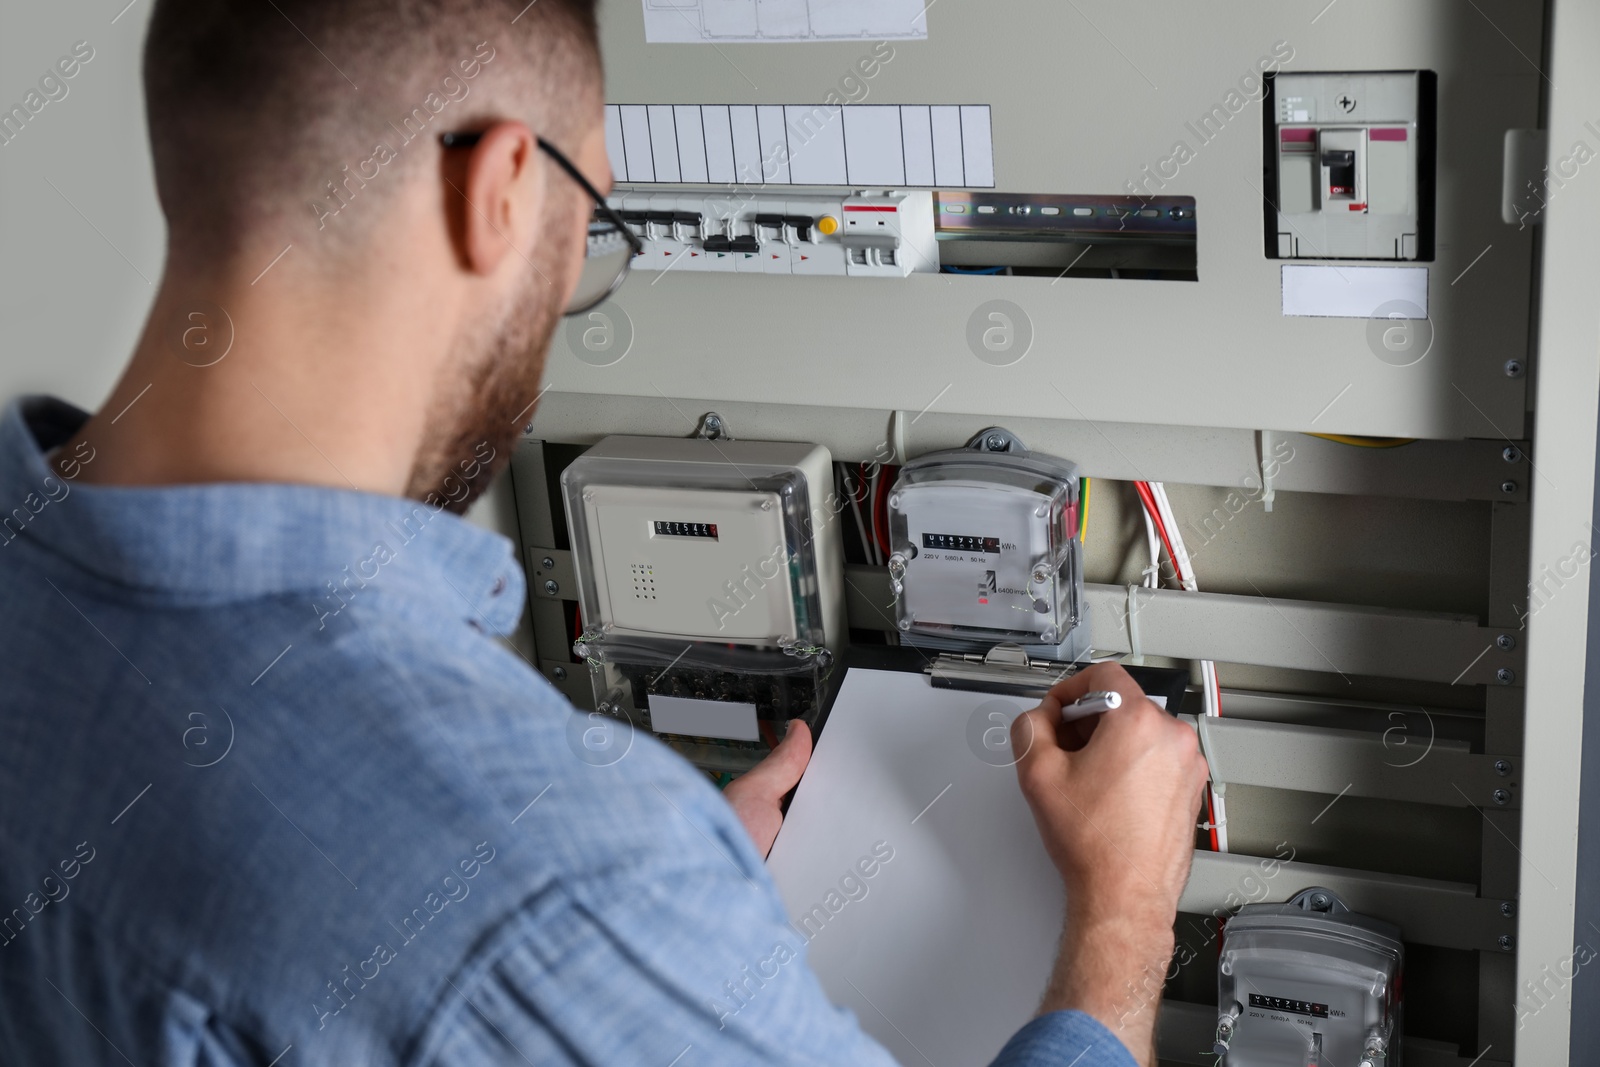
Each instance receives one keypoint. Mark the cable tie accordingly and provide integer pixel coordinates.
(1135, 646)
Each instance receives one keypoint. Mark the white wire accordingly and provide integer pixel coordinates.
(1164, 506)
(1210, 689)
(1152, 573)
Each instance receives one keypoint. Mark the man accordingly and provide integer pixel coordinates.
(273, 792)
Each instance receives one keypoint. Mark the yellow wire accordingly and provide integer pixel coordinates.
(1365, 442)
(1083, 520)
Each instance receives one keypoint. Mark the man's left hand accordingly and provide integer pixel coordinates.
(757, 795)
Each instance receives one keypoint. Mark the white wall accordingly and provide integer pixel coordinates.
(74, 288)
(82, 240)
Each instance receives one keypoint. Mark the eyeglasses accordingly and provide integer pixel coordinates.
(611, 245)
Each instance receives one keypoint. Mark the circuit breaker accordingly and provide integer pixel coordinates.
(1309, 982)
(711, 586)
(986, 550)
(886, 234)
(1352, 154)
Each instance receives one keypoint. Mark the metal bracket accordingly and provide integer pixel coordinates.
(1431, 912)
(1202, 727)
(712, 428)
(551, 574)
(996, 439)
(1392, 765)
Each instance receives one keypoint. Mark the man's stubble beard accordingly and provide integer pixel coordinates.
(473, 429)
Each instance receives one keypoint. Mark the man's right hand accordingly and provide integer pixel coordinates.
(1115, 797)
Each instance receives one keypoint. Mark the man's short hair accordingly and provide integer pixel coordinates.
(259, 109)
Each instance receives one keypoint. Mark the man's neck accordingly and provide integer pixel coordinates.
(291, 377)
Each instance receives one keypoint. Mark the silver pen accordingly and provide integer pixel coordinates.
(1091, 704)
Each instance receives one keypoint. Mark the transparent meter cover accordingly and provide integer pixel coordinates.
(630, 677)
(1293, 982)
(986, 547)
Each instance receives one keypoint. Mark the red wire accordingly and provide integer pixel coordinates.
(1149, 500)
(1211, 817)
(881, 532)
(859, 493)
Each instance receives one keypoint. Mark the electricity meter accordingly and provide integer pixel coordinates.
(986, 550)
(1309, 982)
(711, 584)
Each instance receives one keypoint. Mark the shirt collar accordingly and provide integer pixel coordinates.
(219, 542)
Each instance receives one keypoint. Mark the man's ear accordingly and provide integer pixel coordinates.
(504, 186)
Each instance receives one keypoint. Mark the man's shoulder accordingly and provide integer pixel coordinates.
(470, 725)
(380, 792)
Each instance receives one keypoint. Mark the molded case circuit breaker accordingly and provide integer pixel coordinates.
(1353, 156)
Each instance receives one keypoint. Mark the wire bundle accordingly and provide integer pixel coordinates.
(1161, 530)
(871, 489)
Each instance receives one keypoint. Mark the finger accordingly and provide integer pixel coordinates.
(1034, 738)
(1093, 678)
(780, 771)
(1070, 688)
(1075, 734)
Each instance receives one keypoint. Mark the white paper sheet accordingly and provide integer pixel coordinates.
(947, 953)
(692, 21)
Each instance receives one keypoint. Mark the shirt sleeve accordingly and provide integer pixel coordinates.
(680, 956)
(1064, 1039)
(694, 971)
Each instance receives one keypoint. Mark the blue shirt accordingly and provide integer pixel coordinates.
(271, 792)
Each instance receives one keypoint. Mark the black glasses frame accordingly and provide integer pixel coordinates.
(601, 208)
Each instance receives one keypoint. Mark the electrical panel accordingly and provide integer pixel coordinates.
(986, 549)
(711, 590)
(1353, 156)
(1309, 982)
(865, 234)
(1364, 607)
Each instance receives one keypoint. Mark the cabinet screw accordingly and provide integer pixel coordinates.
(1501, 797)
(1508, 487)
(560, 673)
(1505, 642)
(1502, 767)
(1505, 675)
(1513, 368)
(1510, 453)
(1507, 942)
(548, 564)
(551, 587)
(1508, 908)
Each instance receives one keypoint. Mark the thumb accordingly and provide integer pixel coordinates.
(780, 771)
(1037, 750)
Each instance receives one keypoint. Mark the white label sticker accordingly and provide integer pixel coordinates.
(703, 718)
(1329, 291)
